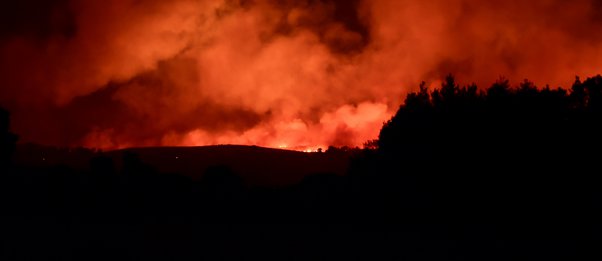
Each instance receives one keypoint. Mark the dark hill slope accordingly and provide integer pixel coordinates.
(256, 165)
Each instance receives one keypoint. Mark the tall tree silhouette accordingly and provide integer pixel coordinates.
(7, 139)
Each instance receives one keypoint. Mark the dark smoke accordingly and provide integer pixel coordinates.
(296, 74)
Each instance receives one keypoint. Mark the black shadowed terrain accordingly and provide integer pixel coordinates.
(256, 165)
(459, 173)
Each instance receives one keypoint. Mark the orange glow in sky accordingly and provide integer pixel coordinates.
(285, 74)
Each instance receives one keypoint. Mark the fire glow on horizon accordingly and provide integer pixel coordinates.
(295, 74)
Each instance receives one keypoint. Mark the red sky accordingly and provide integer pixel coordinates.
(296, 74)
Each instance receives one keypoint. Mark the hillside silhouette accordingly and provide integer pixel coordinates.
(256, 165)
(459, 173)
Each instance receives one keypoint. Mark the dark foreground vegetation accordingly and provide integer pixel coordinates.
(459, 173)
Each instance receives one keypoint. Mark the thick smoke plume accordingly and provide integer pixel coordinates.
(296, 74)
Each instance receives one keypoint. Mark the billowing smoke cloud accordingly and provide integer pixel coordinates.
(296, 74)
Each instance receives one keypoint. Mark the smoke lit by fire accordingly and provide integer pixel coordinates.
(297, 74)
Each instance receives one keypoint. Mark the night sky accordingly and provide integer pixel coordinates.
(276, 73)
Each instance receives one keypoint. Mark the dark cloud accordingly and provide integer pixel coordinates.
(115, 114)
(336, 22)
(36, 18)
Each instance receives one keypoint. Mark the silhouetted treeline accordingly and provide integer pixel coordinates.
(520, 122)
(459, 173)
(493, 166)
(522, 147)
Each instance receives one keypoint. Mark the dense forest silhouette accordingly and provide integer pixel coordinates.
(459, 173)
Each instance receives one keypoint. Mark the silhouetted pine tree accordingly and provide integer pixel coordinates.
(8, 139)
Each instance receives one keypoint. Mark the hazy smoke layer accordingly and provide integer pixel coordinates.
(279, 73)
